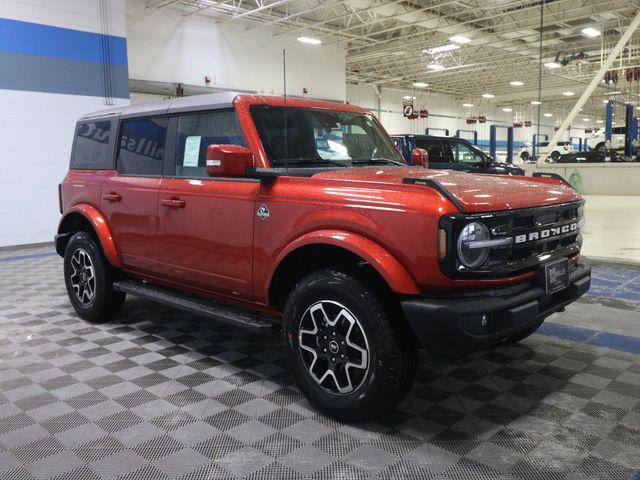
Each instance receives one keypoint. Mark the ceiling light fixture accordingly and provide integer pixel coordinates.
(435, 67)
(459, 39)
(441, 49)
(420, 84)
(536, 102)
(408, 97)
(468, 105)
(507, 109)
(552, 65)
(585, 120)
(568, 93)
(310, 41)
(548, 114)
(488, 95)
(516, 83)
(591, 32)
(598, 121)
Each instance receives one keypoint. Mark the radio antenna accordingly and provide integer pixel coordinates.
(286, 138)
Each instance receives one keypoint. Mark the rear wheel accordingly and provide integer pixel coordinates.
(344, 352)
(88, 279)
(525, 157)
(555, 155)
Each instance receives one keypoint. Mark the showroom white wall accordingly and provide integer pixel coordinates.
(51, 71)
(166, 46)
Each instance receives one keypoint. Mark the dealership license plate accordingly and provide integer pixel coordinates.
(556, 275)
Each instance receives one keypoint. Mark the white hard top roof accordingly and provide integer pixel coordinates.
(181, 104)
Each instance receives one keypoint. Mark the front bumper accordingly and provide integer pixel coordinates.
(453, 325)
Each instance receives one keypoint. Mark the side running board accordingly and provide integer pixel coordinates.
(254, 322)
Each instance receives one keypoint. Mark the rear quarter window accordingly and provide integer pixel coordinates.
(92, 149)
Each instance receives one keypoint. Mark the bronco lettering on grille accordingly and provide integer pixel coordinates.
(546, 233)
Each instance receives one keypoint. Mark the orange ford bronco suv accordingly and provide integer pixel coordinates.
(269, 213)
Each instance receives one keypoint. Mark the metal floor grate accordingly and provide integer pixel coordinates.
(159, 393)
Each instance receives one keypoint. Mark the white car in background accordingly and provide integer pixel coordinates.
(543, 150)
(597, 140)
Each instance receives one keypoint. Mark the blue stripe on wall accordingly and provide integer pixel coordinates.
(58, 75)
(48, 41)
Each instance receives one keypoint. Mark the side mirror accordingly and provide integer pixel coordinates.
(228, 160)
(419, 157)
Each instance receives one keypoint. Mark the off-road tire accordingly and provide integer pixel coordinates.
(392, 351)
(104, 301)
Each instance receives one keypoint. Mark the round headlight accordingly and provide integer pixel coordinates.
(470, 254)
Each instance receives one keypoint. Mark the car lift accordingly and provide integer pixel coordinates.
(445, 130)
(475, 135)
(631, 132)
(608, 125)
(595, 82)
(493, 129)
(579, 143)
(535, 141)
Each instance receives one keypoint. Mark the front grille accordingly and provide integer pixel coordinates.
(526, 222)
(539, 233)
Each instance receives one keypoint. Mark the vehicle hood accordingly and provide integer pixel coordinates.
(474, 192)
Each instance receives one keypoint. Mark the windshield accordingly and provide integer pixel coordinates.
(317, 138)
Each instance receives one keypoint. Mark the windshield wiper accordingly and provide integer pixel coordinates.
(377, 161)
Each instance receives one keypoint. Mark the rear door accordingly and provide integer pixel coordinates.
(206, 224)
(130, 196)
(435, 147)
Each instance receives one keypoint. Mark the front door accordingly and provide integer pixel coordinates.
(206, 224)
(130, 196)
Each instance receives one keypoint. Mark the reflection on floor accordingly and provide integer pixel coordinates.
(157, 393)
(612, 228)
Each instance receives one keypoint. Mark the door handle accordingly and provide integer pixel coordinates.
(173, 203)
(112, 197)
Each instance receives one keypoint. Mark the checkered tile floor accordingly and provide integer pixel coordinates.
(160, 394)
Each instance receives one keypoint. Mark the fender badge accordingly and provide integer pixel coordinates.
(263, 212)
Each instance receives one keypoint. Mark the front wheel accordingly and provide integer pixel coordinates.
(87, 276)
(555, 155)
(525, 156)
(350, 359)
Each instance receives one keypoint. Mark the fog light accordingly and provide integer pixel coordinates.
(485, 321)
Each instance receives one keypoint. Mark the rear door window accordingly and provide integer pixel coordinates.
(434, 148)
(91, 150)
(141, 148)
(199, 130)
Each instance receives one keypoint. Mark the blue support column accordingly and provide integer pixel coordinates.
(631, 131)
(536, 141)
(608, 123)
(509, 144)
(493, 141)
(571, 139)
